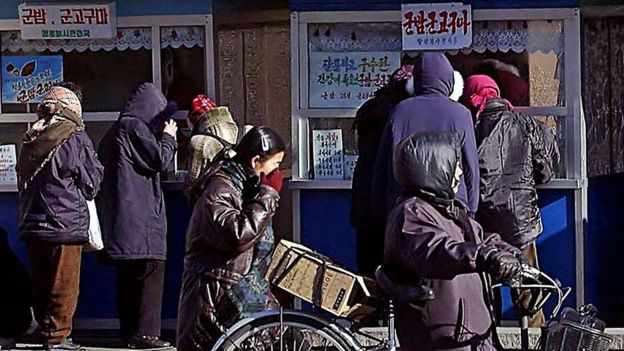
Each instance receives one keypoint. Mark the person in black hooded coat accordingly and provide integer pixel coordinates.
(432, 241)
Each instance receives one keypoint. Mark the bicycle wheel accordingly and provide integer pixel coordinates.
(290, 331)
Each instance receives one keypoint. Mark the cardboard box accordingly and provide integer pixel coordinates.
(316, 279)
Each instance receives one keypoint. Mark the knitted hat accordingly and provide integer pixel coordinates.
(201, 104)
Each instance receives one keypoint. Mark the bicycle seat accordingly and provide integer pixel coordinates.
(400, 292)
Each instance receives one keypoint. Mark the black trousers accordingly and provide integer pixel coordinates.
(140, 286)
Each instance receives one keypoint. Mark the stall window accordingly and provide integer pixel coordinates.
(96, 131)
(525, 57)
(183, 63)
(106, 69)
(183, 72)
(12, 133)
(348, 62)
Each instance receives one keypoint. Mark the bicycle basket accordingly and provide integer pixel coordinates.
(577, 332)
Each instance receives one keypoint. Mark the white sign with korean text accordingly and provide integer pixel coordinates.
(328, 154)
(440, 26)
(349, 165)
(347, 79)
(69, 21)
(8, 161)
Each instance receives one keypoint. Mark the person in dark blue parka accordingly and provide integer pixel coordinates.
(134, 225)
(430, 110)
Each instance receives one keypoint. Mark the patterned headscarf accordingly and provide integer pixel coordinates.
(60, 116)
(63, 103)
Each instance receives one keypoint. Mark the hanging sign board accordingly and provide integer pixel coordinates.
(26, 79)
(8, 160)
(440, 26)
(328, 154)
(347, 79)
(70, 21)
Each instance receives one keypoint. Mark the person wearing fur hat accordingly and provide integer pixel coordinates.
(58, 171)
(516, 153)
(213, 128)
(430, 110)
(370, 121)
(137, 148)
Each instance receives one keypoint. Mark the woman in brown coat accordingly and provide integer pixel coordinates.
(229, 241)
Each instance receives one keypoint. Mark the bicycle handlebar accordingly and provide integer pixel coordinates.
(533, 278)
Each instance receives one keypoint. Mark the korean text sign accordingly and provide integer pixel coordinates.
(347, 79)
(70, 21)
(436, 26)
(328, 154)
(26, 79)
(8, 160)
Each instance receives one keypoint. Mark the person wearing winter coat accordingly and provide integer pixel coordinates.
(58, 171)
(430, 110)
(370, 121)
(132, 211)
(432, 241)
(516, 153)
(229, 241)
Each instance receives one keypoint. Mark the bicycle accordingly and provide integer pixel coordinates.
(302, 331)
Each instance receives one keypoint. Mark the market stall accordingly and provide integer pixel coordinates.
(342, 52)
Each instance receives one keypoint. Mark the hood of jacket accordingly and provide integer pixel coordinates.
(433, 73)
(146, 103)
(425, 164)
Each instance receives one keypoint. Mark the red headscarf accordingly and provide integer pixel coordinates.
(478, 89)
(201, 104)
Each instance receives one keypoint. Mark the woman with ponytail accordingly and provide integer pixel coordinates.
(229, 241)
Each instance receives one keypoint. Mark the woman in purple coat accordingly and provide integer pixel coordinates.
(58, 171)
(431, 240)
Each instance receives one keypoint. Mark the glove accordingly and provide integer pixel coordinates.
(273, 179)
(502, 265)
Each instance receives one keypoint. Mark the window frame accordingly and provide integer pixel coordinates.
(300, 84)
(155, 23)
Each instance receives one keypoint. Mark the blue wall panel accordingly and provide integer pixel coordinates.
(325, 224)
(8, 10)
(604, 243)
(354, 5)
(97, 281)
(325, 227)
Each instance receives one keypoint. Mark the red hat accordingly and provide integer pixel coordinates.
(201, 104)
